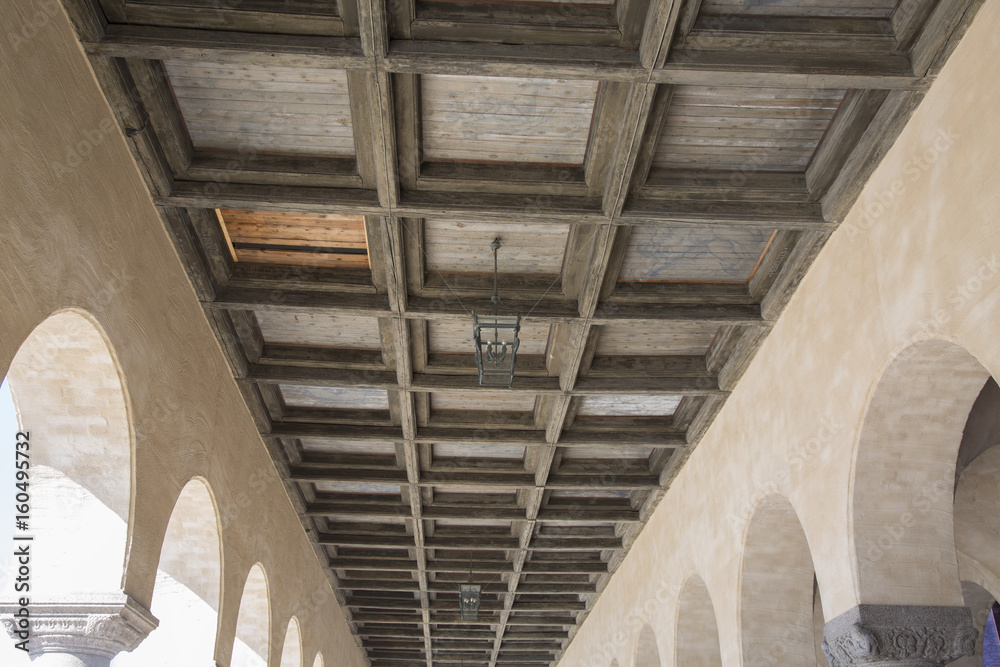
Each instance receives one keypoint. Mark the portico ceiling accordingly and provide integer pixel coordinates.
(661, 174)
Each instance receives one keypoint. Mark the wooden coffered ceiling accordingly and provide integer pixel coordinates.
(661, 174)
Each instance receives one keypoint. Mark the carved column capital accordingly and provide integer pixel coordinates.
(93, 628)
(898, 635)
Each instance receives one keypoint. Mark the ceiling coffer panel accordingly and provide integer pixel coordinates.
(304, 239)
(249, 109)
(502, 119)
(693, 255)
(745, 129)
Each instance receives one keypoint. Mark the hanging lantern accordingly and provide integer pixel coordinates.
(469, 597)
(496, 339)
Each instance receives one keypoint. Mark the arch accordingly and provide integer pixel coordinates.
(318, 662)
(697, 638)
(976, 522)
(776, 588)
(904, 476)
(253, 624)
(188, 585)
(68, 391)
(647, 653)
(291, 648)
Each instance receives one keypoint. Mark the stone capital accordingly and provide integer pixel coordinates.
(898, 635)
(94, 628)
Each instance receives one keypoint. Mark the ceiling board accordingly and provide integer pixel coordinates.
(275, 237)
(478, 451)
(332, 447)
(335, 397)
(698, 255)
(494, 401)
(453, 246)
(610, 451)
(745, 129)
(668, 339)
(456, 337)
(319, 329)
(807, 8)
(267, 109)
(502, 119)
(628, 406)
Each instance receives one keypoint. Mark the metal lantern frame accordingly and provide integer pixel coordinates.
(469, 599)
(496, 339)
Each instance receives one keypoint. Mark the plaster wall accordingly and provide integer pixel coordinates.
(79, 231)
(918, 257)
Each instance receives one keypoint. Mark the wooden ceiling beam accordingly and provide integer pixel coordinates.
(622, 436)
(368, 379)
(331, 472)
(238, 192)
(327, 302)
(802, 68)
(582, 513)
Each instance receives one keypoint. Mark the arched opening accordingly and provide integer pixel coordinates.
(904, 476)
(291, 649)
(697, 642)
(188, 580)
(318, 662)
(776, 595)
(647, 653)
(976, 524)
(69, 397)
(253, 625)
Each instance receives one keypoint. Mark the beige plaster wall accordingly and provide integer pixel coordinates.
(916, 258)
(79, 231)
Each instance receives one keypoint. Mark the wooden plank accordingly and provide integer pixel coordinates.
(505, 119)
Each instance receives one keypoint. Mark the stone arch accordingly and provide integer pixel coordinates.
(253, 624)
(188, 585)
(647, 653)
(776, 588)
(976, 523)
(904, 476)
(69, 394)
(291, 647)
(976, 531)
(697, 634)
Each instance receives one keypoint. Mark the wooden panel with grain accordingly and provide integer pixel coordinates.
(311, 239)
(456, 337)
(745, 129)
(501, 119)
(512, 452)
(459, 246)
(498, 401)
(264, 109)
(628, 406)
(701, 255)
(610, 451)
(318, 329)
(328, 446)
(800, 8)
(665, 340)
(335, 397)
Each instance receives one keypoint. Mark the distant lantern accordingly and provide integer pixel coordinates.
(469, 597)
(496, 339)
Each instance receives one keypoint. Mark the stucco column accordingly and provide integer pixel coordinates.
(898, 635)
(79, 631)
